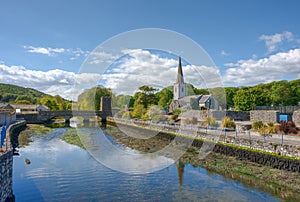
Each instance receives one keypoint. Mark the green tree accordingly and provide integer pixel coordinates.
(50, 102)
(248, 97)
(138, 111)
(230, 93)
(90, 99)
(165, 97)
(145, 96)
(154, 110)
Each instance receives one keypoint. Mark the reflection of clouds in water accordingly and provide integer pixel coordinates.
(119, 158)
(214, 187)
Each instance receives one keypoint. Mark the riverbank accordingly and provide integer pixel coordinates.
(31, 131)
(281, 183)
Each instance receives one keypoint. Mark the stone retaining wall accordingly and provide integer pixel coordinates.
(296, 118)
(247, 153)
(6, 163)
(264, 116)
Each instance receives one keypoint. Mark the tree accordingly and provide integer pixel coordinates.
(146, 96)
(248, 97)
(165, 97)
(90, 99)
(50, 102)
(154, 110)
(138, 111)
(230, 93)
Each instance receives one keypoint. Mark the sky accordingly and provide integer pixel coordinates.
(46, 44)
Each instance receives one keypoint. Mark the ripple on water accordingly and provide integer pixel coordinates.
(64, 172)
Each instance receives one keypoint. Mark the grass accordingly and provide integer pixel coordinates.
(32, 130)
(71, 137)
(284, 184)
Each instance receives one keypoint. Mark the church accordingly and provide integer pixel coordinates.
(182, 100)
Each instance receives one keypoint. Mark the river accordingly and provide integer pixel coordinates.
(63, 172)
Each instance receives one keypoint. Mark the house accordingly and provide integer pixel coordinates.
(20, 108)
(6, 106)
(27, 108)
(196, 102)
(7, 113)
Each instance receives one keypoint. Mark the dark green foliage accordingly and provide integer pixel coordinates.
(277, 93)
(257, 125)
(90, 99)
(20, 95)
(16, 94)
(165, 97)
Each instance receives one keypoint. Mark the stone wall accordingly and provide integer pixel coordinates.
(219, 115)
(232, 147)
(234, 115)
(6, 161)
(264, 116)
(296, 118)
(7, 116)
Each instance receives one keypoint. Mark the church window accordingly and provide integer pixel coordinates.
(182, 89)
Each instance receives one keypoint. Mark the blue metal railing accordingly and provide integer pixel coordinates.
(3, 134)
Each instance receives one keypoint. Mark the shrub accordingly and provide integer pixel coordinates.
(271, 128)
(257, 125)
(287, 127)
(211, 121)
(126, 115)
(159, 118)
(228, 123)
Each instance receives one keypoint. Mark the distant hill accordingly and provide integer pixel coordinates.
(11, 93)
(20, 95)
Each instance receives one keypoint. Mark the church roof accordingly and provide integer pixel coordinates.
(204, 98)
(179, 72)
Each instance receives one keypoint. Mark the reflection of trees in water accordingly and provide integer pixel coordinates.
(180, 169)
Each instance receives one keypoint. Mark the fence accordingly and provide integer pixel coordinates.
(280, 109)
(3, 133)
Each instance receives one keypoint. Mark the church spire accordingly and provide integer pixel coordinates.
(179, 73)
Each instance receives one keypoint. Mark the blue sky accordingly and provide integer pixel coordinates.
(47, 41)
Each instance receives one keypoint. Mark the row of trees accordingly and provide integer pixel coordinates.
(277, 93)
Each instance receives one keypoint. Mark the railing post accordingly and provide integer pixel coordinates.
(249, 134)
(282, 138)
(236, 132)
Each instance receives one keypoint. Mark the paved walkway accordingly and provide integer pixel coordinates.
(275, 138)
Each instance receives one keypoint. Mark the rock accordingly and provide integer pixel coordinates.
(27, 161)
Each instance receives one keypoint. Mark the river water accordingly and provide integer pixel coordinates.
(63, 172)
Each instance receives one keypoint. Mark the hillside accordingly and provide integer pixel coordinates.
(12, 93)
(20, 95)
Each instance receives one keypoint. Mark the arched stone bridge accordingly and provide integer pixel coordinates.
(47, 116)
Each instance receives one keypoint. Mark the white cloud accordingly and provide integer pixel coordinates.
(46, 51)
(275, 67)
(144, 68)
(52, 82)
(72, 53)
(101, 56)
(224, 53)
(272, 41)
(140, 67)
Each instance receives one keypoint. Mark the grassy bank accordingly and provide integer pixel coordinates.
(283, 184)
(71, 137)
(32, 131)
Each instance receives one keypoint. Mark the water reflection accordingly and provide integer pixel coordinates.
(64, 172)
